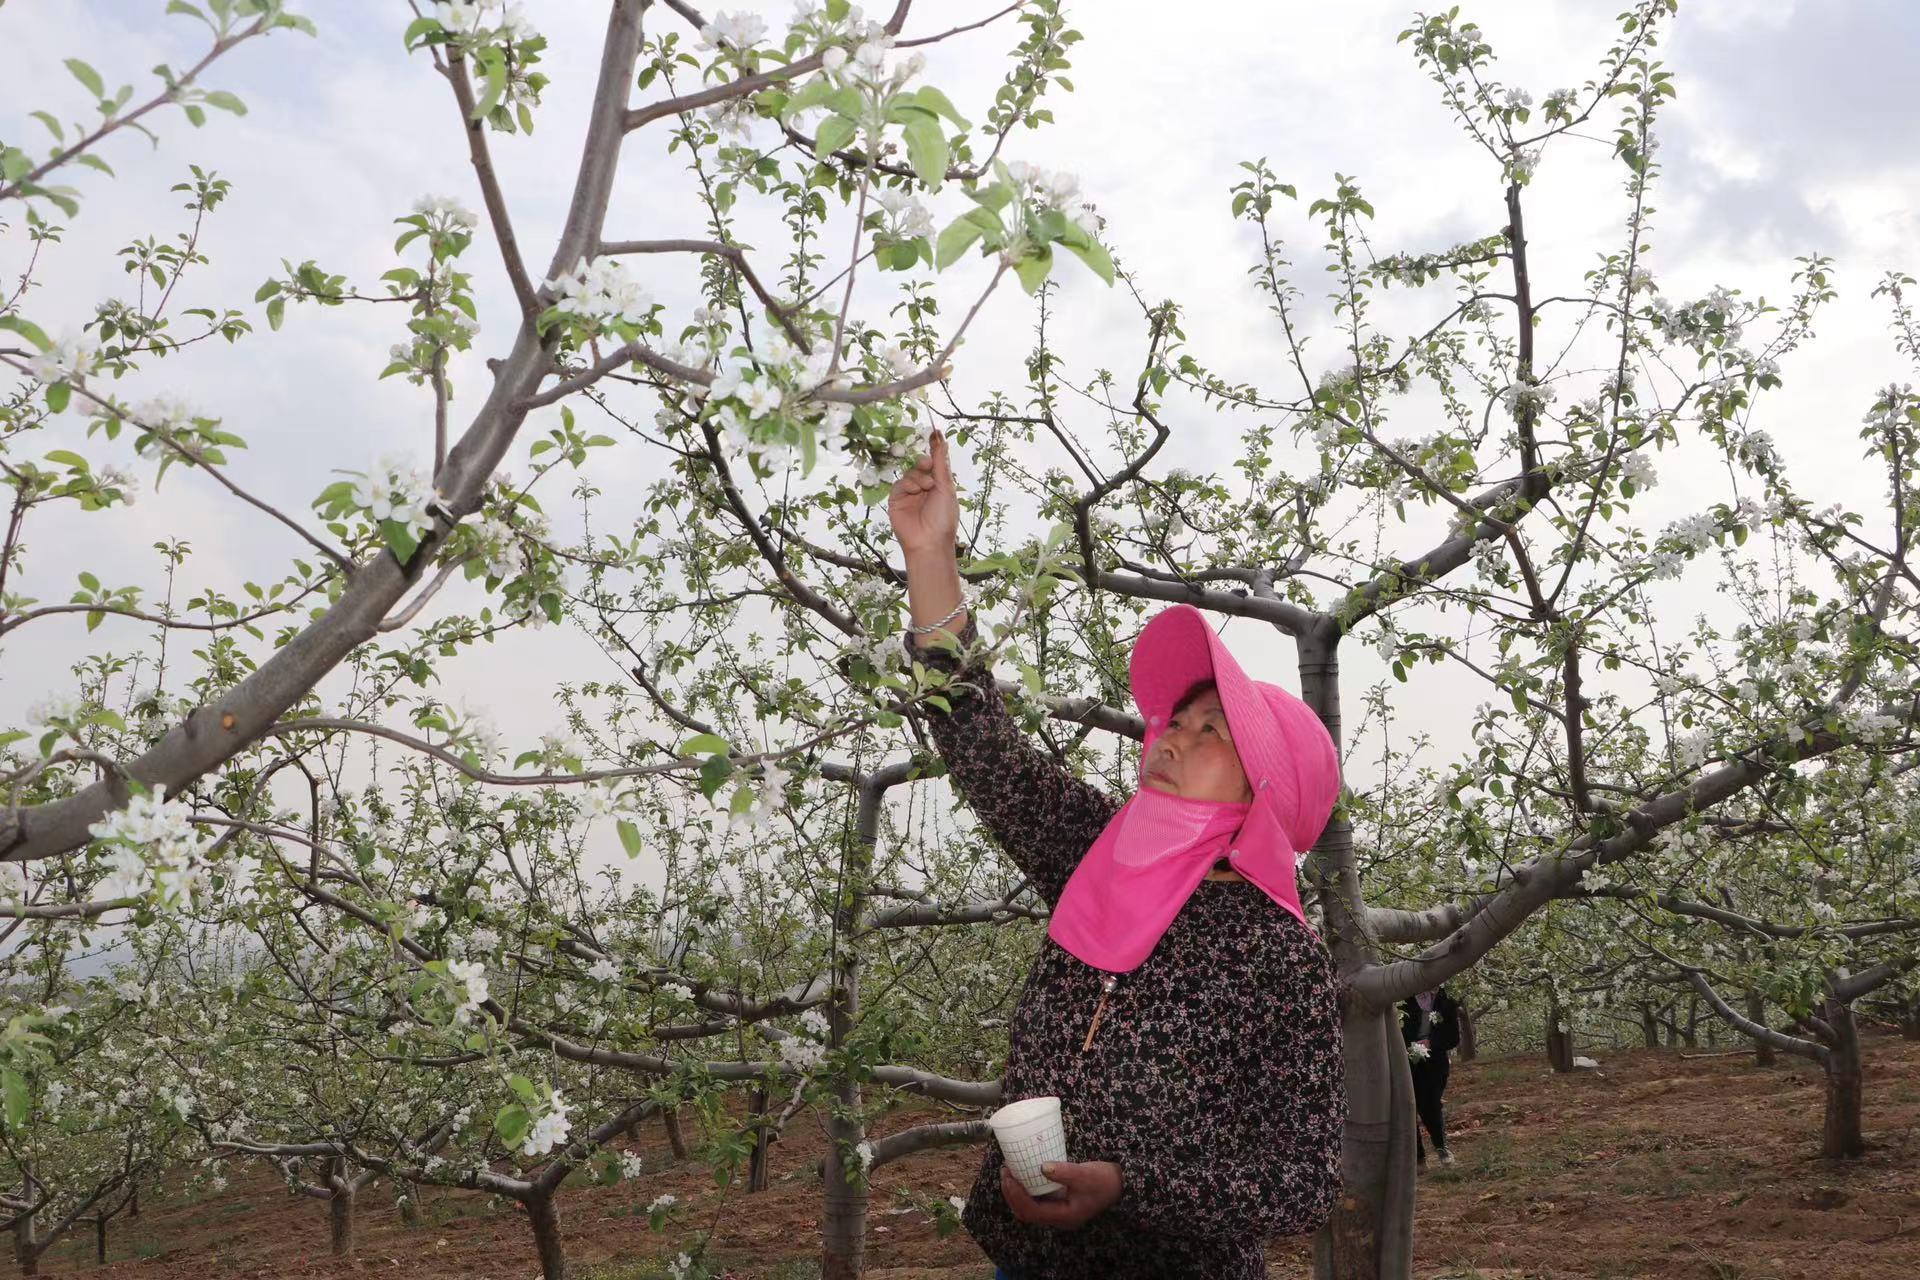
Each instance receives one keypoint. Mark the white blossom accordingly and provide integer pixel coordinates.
(1637, 468)
(601, 291)
(152, 849)
(69, 359)
(472, 977)
(739, 31)
(1697, 532)
(549, 1128)
(446, 211)
(604, 970)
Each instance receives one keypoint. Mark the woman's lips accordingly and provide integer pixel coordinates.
(1160, 774)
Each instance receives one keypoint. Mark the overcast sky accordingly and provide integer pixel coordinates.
(1792, 134)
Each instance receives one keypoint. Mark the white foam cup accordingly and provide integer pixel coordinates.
(1031, 1135)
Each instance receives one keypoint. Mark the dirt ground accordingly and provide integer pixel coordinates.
(1654, 1165)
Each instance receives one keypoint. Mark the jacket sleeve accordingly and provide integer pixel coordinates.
(1034, 807)
(1276, 1170)
(1445, 1037)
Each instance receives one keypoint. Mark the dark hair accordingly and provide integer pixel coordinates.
(1198, 689)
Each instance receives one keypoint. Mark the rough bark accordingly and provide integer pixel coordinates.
(757, 1168)
(1469, 1036)
(1840, 1135)
(1559, 1038)
(340, 1208)
(844, 1218)
(544, 1218)
(1763, 1053)
(675, 1139)
(1649, 1027)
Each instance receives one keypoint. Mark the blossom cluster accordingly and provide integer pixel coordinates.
(152, 850)
(70, 359)
(470, 990)
(803, 1053)
(736, 31)
(399, 492)
(485, 21)
(768, 801)
(1054, 189)
(1696, 322)
(1523, 396)
(550, 1127)
(600, 291)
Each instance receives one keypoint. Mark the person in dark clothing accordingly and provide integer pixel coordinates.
(1432, 1019)
(1186, 1015)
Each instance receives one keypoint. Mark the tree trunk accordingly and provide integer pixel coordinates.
(1370, 1233)
(1370, 1236)
(100, 1239)
(1649, 1027)
(340, 1207)
(1469, 1048)
(844, 1222)
(1910, 1019)
(544, 1218)
(675, 1139)
(133, 1207)
(1840, 1136)
(1559, 1038)
(1692, 1033)
(1757, 1013)
(757, 1168)
(26, 1249)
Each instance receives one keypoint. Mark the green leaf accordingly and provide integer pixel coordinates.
(19, 1100)
(927, 150)
(1094, 255)
(934, 100)
(630, 838)
(1033, 268)
(512, 1124)
(53, 125)
(954, 241)
(418, 29)
(15, 164)
(92, 161)
(87, 76)
(276, 311)
(26, 329)
(399, 539)
(835, 133)
(58, 394)
(704, 744)
(225, 101)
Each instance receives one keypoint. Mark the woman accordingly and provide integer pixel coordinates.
(1431, 1019)
(1181, 1008)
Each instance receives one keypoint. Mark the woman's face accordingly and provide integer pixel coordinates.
(1194, 757)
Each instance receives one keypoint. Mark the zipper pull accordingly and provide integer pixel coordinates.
(1107, 984)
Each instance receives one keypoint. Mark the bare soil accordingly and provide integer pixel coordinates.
(1655, 1165)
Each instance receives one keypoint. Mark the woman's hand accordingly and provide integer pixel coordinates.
(924, 506)
(1091, 1188)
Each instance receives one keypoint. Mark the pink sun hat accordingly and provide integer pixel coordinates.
(1286, 752)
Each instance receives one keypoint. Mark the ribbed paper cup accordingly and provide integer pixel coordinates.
(1030, 1135)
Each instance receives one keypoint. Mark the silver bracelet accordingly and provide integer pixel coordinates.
(932, 627)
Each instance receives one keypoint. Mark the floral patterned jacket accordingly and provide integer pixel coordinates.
(1215, 1078)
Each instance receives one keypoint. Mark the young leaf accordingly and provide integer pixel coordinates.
(927, 149)
(87, 76)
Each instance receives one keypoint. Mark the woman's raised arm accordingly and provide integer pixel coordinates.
(1038, 811)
